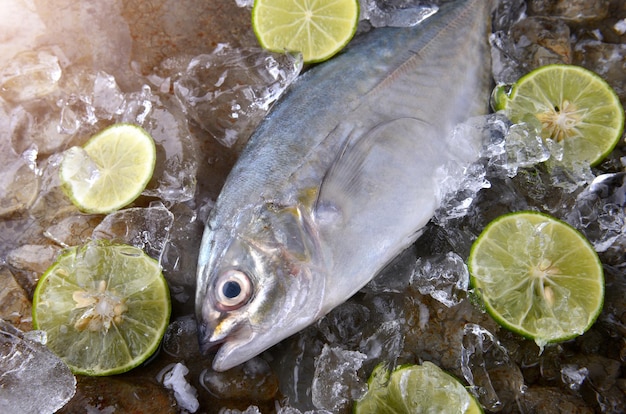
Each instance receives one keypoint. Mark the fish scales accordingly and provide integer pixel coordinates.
(339, 179)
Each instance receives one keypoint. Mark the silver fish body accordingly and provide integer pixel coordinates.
(338, 179)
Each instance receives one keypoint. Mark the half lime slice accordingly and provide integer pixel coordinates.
(571, 105)
(111, 170)
(103, 306)
(316, 28)
(538, 276)
(414, 389)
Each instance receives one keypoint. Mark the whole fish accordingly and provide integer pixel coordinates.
(339, 179)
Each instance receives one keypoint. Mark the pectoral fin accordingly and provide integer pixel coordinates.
(365, 177)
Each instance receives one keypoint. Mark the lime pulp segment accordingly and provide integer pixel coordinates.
(537, 276)
(104, 307)
(572, 105)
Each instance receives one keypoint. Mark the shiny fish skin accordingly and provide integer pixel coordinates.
(339, 179)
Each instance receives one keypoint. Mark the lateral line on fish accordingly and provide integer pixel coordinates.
(405, 65)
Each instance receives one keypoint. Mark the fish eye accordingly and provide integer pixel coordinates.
(233, 289)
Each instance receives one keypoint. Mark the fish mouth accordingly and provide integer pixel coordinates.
(231, 347)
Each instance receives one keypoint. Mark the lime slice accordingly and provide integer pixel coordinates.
(415, 389)
(104, 307)
(316, 28)
(111, 170)
(572, 105)
(537, 276)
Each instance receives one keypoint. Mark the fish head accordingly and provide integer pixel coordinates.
(259, 282)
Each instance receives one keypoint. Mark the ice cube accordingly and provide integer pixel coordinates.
(173, 378)
(507, 13)
(229, 91)
(15, 307)
(385, 344)
(336, 383)
(29, 75)
(444, 277)
(253, 409)
(345, 324)
(174, 179)
(107, 98)
(483, 361)
(73, 230)
(180, 257)
(51, 203)
(19, 181)
(244, 3)
(146, 228)
(572, 10)
(573, 376)
(138, 105)
(180, 339)
(294, 364)
(528, 44)
(599, 212)
(33, 379)
(30, 261)
(396, 13)
(254, 380)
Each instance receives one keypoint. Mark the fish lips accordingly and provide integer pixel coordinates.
(232, 341)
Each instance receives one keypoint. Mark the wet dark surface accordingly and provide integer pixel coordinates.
(136, 40)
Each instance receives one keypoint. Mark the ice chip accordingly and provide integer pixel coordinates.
(529, 43)
(524, 148)
(73, 230)
(571, 10)
(15, 307)
(180, 338)
(573, 376)
(81, 168)
(19, 182)
(244, 3)
(174, 178)
(108, 100)
(386, 343)
(138, 106)
(335, 382)
(29, 75)
(229, 91)
(445, 278)
(173, 378)
(146, 228)
(253, 409)
(180, 257)
(599, 213)
(33, 379)
(345, 324)
(483, 361)
(253, 380)
(395, 14)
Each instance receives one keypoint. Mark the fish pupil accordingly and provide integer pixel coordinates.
(231, 289)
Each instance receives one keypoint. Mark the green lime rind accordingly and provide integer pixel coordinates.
(569, 104)
(61, 307)
(537, 276)
(110, 171)
(415, 389)
(281, 25)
